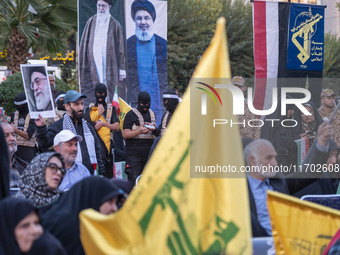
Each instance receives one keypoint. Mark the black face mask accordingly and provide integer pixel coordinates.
(60, 105)
(143, 102)
(144, 108)
(100, 92)
(101, 99)
(22, 109)
(171, 104)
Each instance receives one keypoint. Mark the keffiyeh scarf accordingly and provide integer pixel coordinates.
(89, 140)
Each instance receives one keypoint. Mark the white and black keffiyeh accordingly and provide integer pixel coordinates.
(89, 140)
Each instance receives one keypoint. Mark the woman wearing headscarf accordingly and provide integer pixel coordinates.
(20, 226)
(4, 167)
(47, 244)
(62, 218)
(125, 186)
(309, 124)
(41, 178)
(282, 137)
(22, 231)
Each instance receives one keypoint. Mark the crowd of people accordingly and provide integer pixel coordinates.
(278, 164)
(48, 165)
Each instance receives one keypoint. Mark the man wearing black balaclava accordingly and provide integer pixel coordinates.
(170, 101)
(105, 121)
(60, 109)
(24, 129)
(137, 131)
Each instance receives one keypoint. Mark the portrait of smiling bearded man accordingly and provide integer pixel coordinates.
(146, 58)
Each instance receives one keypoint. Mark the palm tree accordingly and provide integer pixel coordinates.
(44, 31)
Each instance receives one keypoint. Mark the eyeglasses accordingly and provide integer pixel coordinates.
(37, 81)
(146, 18)
(54, 168)
(102, 6)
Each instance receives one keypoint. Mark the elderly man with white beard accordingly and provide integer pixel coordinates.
(102, 54)
(41, 89)
(147, 58)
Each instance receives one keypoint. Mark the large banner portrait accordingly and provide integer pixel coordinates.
(306, 37)
(102, 47)
(146, 34)
(38, 91)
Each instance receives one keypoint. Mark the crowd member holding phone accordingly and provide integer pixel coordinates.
(309, 123)
(137, 131)
(329, 111)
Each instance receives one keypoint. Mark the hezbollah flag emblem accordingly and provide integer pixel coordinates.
(170, 212)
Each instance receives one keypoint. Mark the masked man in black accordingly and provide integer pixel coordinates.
(137, 131)
(103, 118)
(170, 101)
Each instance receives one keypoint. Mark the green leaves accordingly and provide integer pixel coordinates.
(45, 31)
(191, 25)
(331, 56)
(8, 90)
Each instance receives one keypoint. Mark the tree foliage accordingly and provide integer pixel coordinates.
(21, 29)
(331, 56)
(190, 29)
(8, 90)
(331, 62)
(61, 85)
(240, 36)
(191, 26)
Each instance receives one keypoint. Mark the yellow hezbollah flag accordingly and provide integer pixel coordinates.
(170, 212)
(301, 227)
(124, 109)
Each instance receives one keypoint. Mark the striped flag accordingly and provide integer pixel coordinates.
(270, 24)
(303, 148)
(115, 101)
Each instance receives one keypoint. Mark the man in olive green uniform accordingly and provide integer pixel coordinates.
(328, 103)
(245, 130)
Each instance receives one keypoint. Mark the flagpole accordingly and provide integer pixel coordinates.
(333, 114)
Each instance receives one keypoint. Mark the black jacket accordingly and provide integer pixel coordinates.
(45, 140)
(297, 184)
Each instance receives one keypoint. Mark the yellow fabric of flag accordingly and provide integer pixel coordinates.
(170, 212)
(124, 109)
(300, 227)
